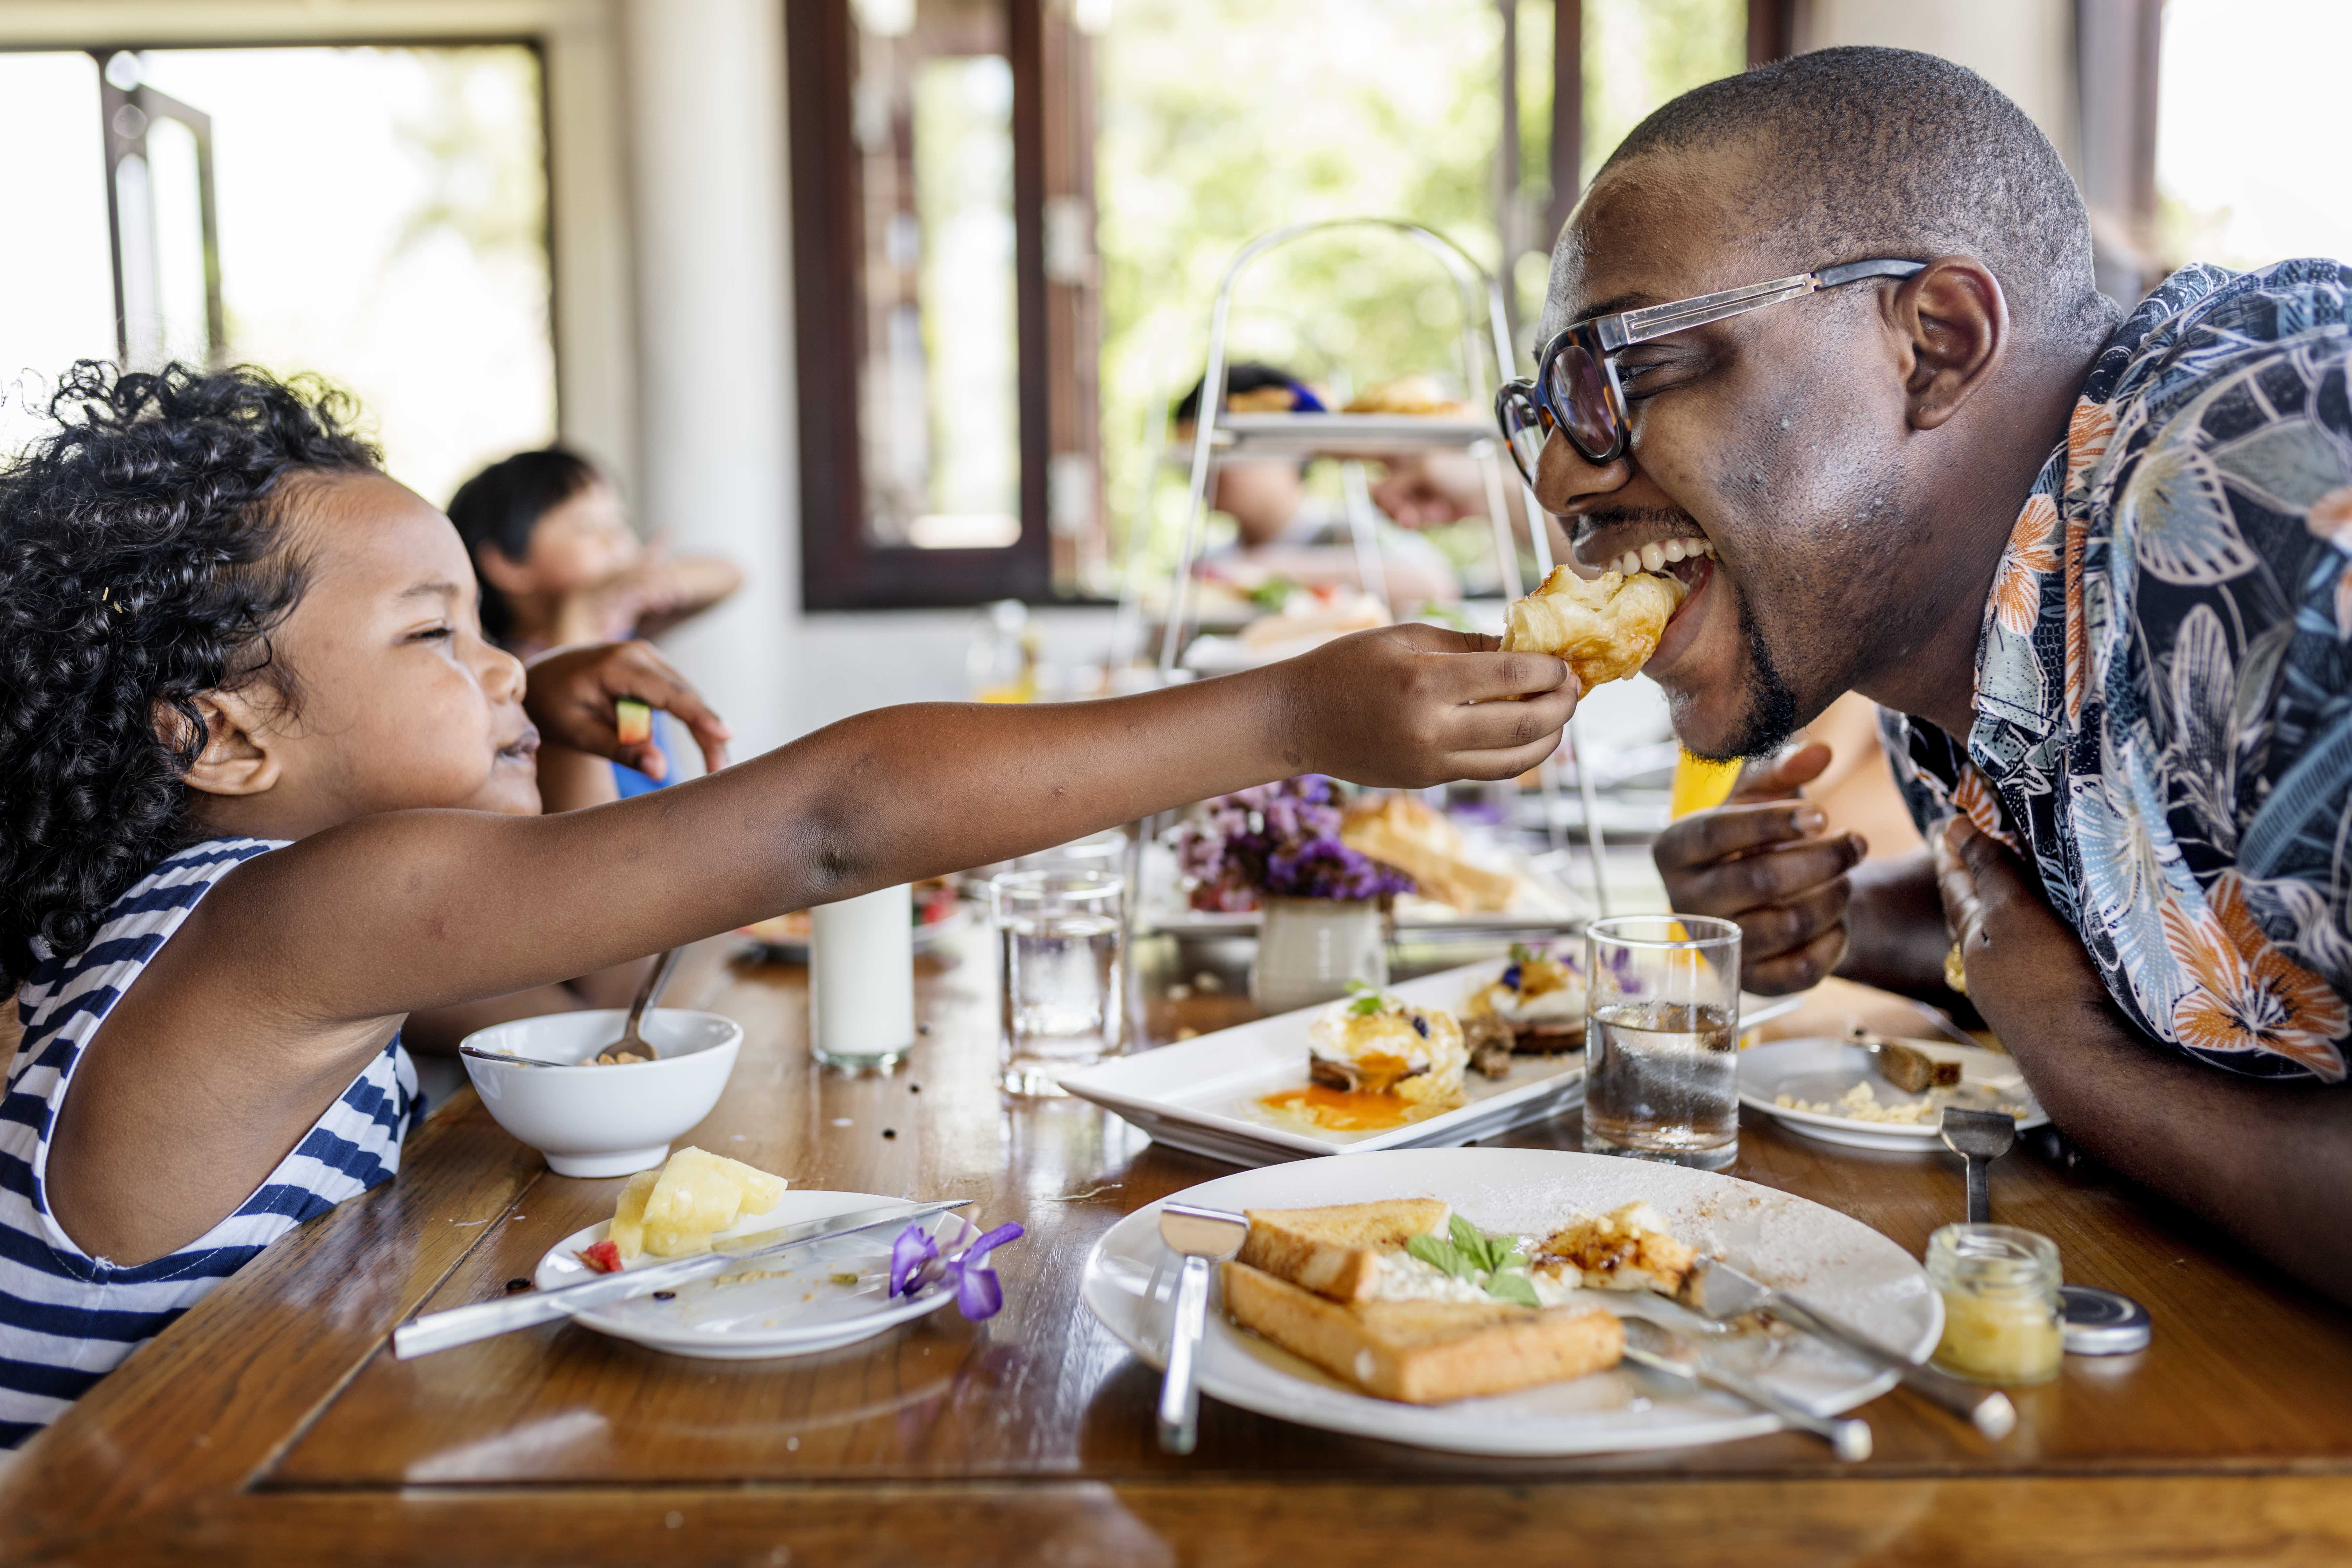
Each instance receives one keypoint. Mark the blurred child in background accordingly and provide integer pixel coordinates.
(556, 563)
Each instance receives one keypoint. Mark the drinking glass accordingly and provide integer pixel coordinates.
(1061, 969)
(1662, 1039)
(862, 979)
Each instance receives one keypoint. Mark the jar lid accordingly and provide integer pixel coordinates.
(2101, 1323)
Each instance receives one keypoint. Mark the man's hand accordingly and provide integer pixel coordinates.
(570, 695)
(1759, 859)
(1416, 705)
(2028, 971)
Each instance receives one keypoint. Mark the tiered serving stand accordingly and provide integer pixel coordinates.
(1220, 435)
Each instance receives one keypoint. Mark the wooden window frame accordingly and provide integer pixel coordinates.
(842, 568)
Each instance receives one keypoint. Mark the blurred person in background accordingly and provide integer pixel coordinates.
(558, 565)
(1285, 532)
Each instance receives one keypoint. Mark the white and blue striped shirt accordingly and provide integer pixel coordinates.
(67, 1318)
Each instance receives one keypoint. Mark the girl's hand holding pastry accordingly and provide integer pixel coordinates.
(1413, 705)
(571, 695)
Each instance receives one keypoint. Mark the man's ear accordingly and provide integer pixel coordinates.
(1954, 322)
(240, 752)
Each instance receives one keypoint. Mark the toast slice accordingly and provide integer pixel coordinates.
(1335, 1251)
(1425, 1353)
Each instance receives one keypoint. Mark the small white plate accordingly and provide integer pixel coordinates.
(795, 949)
(1201, 1094)
(1820, 1070)
(1831, 1261)
(799, 1312)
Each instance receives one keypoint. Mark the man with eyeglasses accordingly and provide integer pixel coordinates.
(1823, 340)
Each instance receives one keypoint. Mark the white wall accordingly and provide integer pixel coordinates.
(2025, 47)
(713, 339)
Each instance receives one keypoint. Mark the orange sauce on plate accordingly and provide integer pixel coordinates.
(1341, 1110)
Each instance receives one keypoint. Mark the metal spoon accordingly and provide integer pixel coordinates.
(510, 1058)
(633, 1045)
(1980, 1137)
(1200, 1235)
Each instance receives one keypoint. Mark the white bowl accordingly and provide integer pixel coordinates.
(604, 1121)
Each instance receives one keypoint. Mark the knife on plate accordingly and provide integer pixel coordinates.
(463, 1325)
(1847, 1435)
(1721, 1291)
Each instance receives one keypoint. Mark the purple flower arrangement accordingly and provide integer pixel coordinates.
(917, 1261)
(1278, 840)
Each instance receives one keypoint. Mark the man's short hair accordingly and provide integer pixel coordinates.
(1877, 152)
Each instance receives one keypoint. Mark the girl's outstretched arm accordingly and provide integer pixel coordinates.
(420, 909)
(299, 964)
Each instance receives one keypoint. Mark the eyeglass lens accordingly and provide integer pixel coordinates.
(1524, 428)
(1578, 391)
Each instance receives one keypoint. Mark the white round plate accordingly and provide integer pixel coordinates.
(800, 1311)
(1820, 1070)
(1833, 1262)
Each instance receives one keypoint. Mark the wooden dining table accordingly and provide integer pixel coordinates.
(272, 1423)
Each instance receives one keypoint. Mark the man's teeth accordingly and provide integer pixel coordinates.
(1657, 557)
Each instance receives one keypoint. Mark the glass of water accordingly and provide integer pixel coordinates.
(1062, 971)
(1662, 1039)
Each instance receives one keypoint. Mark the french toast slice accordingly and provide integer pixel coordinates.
(1335, 1251)
(1425, 1353)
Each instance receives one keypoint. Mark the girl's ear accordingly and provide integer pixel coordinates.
(508, 576)
(239, 756)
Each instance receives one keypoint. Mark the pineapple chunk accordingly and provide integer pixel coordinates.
(628, 1229)
(696, 1195)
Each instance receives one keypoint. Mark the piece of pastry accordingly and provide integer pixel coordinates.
(1262, 400)
(1538, 997)
(1335, 1251)
(1907, 1068)
(1606, 627)
(1400, 831)
(1424, 1352)
(1416, 395)
(1492, 1043)
(1628, 1248)
(1376, 1043)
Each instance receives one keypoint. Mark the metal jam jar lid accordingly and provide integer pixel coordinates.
(2101, 1323)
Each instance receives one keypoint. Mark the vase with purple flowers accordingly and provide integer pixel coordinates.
(1277, 849)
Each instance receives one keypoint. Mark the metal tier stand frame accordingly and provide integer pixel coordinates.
(1486, 343)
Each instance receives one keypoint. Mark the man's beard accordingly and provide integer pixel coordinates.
(1772, 716)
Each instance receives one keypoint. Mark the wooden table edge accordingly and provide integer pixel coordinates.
(2086, 1520)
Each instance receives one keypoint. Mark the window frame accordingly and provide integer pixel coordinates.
(841, 567)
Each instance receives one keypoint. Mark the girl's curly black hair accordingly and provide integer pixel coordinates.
(141, 565)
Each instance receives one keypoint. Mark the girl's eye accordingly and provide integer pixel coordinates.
(431, 634)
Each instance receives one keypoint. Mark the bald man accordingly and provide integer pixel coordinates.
(2092, 566)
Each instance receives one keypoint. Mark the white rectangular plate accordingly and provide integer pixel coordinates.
(1200, 1095)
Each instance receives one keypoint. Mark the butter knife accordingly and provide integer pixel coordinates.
(1847, 1435)
(463, 1325)
(1721, 1291)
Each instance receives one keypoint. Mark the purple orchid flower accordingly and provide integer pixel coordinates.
(917, 1261)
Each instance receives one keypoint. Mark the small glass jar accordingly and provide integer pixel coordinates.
(2003, 1321)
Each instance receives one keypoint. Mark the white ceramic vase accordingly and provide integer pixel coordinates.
(1309, 949)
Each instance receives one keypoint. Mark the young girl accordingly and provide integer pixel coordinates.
(265, 789)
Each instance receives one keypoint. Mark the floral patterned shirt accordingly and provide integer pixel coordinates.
(2163, 710)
